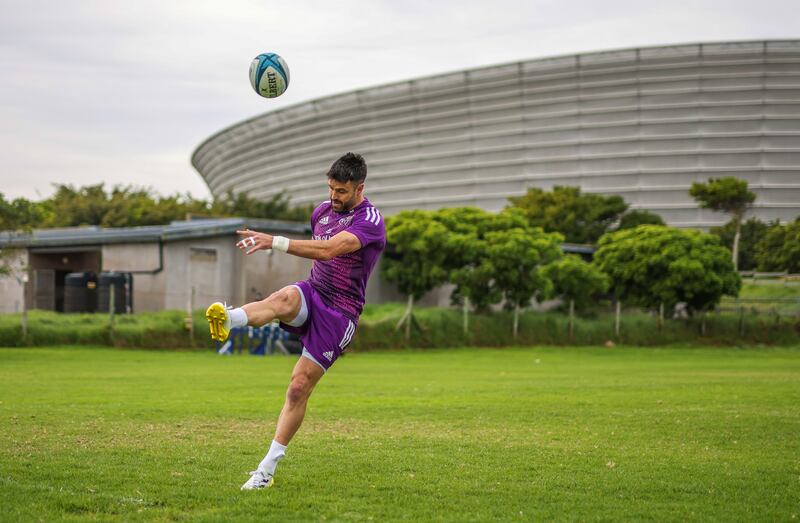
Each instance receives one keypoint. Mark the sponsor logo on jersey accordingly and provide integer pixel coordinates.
(324, 220)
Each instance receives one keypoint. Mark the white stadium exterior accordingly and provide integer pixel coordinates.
(640, 123)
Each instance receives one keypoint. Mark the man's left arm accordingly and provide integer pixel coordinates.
(339, 244)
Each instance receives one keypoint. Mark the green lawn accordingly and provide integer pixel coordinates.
(525, 434)
(769, 290)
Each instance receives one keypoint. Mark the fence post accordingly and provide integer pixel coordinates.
(660, 316)
(24, 323)
(465, 314)
(571, 319)
(190, 318)
(111, 307)
(616, 323)
(741, 320)
(24, 307)
(408, 320)
(703, 323)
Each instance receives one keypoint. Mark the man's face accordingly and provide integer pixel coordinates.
(344, 196)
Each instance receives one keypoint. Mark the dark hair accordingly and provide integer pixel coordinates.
(349, 168)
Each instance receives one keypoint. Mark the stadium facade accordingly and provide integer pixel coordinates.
(640, 123)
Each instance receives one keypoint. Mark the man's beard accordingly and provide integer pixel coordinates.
(344, 206)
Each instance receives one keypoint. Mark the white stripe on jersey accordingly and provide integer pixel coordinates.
(373, 216)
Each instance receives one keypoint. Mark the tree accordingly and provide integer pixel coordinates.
(18, 214)
(15, 215)
(277, 207)
(729, 195)
(70, 207)
(515, 259)
(779, 250)
(465, 248)
(128, 206)
(581, 218)
(653, 264)
(576, 282)
(636, 218)
(415, 256)
(752, 231)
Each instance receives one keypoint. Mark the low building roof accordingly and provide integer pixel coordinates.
(175, 231)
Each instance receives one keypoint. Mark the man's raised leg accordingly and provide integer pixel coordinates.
(283, 305)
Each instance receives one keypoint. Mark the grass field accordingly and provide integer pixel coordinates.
(769, 289)
(523, 434)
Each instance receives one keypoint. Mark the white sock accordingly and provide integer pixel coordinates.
(270, 461)
(238, 317)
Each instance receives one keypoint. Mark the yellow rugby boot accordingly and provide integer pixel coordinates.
(219, 322)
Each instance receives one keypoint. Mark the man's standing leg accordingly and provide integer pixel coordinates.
(305, 376)
(287, 305)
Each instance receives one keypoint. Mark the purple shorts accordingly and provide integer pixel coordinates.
(326, 332)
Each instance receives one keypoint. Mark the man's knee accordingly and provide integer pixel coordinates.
(284, 302)
(299, 390)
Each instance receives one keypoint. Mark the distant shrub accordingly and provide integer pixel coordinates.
(432, 328)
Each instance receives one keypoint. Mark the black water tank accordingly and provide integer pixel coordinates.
(105, 281)
(80, 292)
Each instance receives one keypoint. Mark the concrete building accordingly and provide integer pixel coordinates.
(641, 123)
(166, 263)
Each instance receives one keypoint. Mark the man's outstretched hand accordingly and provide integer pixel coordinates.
(252, 241)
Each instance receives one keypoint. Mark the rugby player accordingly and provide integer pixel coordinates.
(348, 238)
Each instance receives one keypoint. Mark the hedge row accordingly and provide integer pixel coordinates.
(433, 327)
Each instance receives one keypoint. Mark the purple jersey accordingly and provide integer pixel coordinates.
(342, 281)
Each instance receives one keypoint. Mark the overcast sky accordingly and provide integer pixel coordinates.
(122, 92)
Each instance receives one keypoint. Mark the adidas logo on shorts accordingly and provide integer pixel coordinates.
(328, 355)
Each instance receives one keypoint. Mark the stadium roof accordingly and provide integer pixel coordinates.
(175, 231)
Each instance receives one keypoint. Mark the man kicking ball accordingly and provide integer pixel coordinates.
(348, 237)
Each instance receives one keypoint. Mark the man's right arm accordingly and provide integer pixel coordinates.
(341, 243)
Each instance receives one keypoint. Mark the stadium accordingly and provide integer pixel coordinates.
(640, 123)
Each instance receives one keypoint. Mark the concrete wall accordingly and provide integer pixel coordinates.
(263, 273)
(143, 260)
(214, 267)
(640, 123)
(12, 290)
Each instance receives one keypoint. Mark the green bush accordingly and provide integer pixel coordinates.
(432, 327)
(437, 327)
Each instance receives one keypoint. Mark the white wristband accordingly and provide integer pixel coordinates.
(280, 243)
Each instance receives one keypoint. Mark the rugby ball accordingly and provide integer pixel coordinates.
(269, 75)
